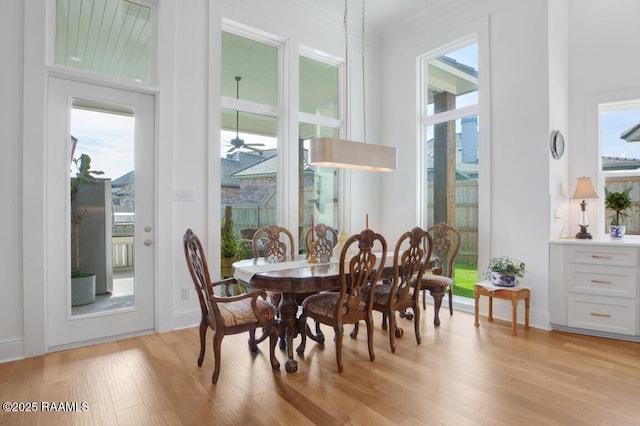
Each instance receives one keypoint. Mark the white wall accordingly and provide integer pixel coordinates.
(11, 320)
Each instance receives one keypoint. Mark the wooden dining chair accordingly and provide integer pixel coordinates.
(274, 241)
(410, 259)
(349, 305)
(227, 315)
(446, 244)
(325, 238)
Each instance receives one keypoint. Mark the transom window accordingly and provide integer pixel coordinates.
(109, 37)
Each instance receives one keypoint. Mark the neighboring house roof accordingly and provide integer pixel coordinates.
(620, 163)
(239, 161)
(632, 134)
(124, 180)
(267, 167)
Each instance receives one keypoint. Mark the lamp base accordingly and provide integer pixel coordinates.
(583, 234)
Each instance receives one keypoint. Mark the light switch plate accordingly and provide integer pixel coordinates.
(183, 195)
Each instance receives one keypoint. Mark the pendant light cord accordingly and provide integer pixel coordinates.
(364, 114)
(346, 69)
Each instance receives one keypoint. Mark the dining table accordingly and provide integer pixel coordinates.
(293, 276)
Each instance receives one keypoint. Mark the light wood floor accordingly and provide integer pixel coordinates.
(459, 375)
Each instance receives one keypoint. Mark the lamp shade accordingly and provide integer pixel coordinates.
(584, 189)
(342, 153)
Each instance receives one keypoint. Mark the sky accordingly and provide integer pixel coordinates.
(613, 124)
(107, 138)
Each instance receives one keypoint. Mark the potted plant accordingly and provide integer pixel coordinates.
(504, 271)
(83, 284)
(228, 244)
(619, 202)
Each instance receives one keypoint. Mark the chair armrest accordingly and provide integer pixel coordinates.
(226, 298)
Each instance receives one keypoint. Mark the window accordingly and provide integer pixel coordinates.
(110, 37)
(450, 143)
(620, 155)
(256, 141)
(249, 132)
(319, 116)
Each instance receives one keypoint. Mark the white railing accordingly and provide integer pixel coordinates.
(122, 252)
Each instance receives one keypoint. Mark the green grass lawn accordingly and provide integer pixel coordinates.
(466, 277)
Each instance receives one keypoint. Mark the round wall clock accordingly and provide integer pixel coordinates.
(557, 144)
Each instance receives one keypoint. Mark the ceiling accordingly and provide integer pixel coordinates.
(382, 14)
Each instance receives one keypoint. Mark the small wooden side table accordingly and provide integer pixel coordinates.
(514, 294)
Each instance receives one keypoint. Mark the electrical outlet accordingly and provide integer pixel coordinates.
(185, 293)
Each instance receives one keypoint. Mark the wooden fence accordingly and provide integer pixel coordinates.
(247, 216)
(619, 184)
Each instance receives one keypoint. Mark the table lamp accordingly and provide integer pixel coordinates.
(584, 190)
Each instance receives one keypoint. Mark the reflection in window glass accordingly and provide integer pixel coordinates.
(319, 88)
(256, 63)
(319, 192)
(620, 151)
(110, 37)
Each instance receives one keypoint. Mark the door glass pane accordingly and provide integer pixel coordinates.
(319, 189)
(255, 63)
(319, 88)
(452, 80)
(103, 208)
(249, 173)
(109, 37)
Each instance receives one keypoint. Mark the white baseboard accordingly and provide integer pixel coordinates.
(11, 349)
(186, 318)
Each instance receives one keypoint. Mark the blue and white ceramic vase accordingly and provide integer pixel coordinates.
(501, 279)
(617, 232)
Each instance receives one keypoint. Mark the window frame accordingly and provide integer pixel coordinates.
(474, 31)
(604, 107)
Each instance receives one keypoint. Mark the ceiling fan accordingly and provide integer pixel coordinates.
(237, 143)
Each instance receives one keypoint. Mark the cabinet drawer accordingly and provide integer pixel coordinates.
(608, 314)
(598, 255)
(603, 280)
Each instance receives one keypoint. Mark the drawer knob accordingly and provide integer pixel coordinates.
(600, 315)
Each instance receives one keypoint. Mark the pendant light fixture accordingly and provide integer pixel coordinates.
(348, 154)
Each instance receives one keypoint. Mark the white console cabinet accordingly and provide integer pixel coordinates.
(593, 287)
